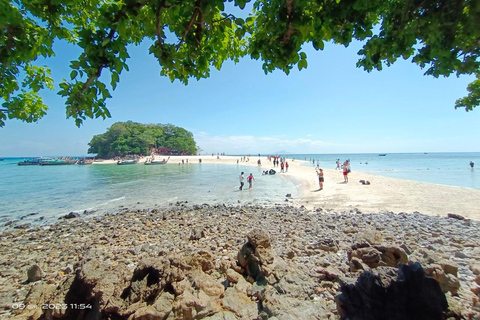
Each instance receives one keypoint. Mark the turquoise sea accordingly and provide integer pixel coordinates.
(53, 191)
(41, 194)
(451, 169)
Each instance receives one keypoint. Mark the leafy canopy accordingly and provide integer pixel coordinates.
(124, 138)
(189, 37)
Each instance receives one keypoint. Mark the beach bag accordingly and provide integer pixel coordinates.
(348, 170)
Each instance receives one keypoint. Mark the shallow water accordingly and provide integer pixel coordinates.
(53, 191)
(441, 168)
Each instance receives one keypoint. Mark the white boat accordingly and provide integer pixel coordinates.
(127, 161)
(157, 162)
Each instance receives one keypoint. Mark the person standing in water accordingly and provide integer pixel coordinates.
(241, 178)
(250, 179)
(472, 164)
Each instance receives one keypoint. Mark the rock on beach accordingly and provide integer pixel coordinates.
(235, 262)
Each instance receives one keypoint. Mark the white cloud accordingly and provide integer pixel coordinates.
(254, 145)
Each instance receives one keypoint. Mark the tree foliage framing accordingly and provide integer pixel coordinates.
(189, 37)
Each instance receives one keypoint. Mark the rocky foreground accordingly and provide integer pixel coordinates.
(227, 263)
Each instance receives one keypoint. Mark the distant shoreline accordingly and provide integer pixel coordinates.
(383, 194)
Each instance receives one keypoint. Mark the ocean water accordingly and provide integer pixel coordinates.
(53, 191)
(451, 169)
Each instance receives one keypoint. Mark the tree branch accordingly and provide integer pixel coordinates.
(229, 16)
(121, 14)
(200, 26)
(157, 24)
(289, 32)
(190, 24)
(172, 5)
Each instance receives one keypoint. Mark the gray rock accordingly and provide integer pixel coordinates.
(259, 237)
(239, 304)
(71, 215)
(455, 216)
(34, 273)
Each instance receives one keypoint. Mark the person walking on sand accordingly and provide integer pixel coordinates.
(241, 178)
(282, 166)
(320, 178)
(338, 165)
(286, 166)
(250, 179)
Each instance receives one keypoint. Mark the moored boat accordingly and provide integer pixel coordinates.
(30, 162)
(57, 162)
(127, 161)
(157, 162)
(382, 154)
(83, 161)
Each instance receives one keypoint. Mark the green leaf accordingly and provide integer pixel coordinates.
(302, 64)
(318, 44)
(114, 80)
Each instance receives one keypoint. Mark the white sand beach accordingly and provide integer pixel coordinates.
(383, 194)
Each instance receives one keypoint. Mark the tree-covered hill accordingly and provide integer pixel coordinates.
(128, 138)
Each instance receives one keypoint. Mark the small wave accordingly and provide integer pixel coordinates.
(107, 202)
(172, 199)
(116, 199)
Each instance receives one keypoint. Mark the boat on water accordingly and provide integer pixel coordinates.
(83, 161)
(57, 162)
(153, 162)
(127, 161)
(30, 162)
(382, 154)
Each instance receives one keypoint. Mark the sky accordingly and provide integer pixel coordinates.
(330, 107)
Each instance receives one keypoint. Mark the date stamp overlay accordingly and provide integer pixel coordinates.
(52, 306)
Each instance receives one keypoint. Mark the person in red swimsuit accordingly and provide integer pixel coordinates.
(345, 172)
(250, 179)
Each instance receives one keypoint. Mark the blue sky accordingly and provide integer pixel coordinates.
(330, 107)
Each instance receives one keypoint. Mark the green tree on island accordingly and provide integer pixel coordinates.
(189, 37)
(128, 138)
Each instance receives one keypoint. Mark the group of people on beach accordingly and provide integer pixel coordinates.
(280, 161)
(345, 170)
(277, 161)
